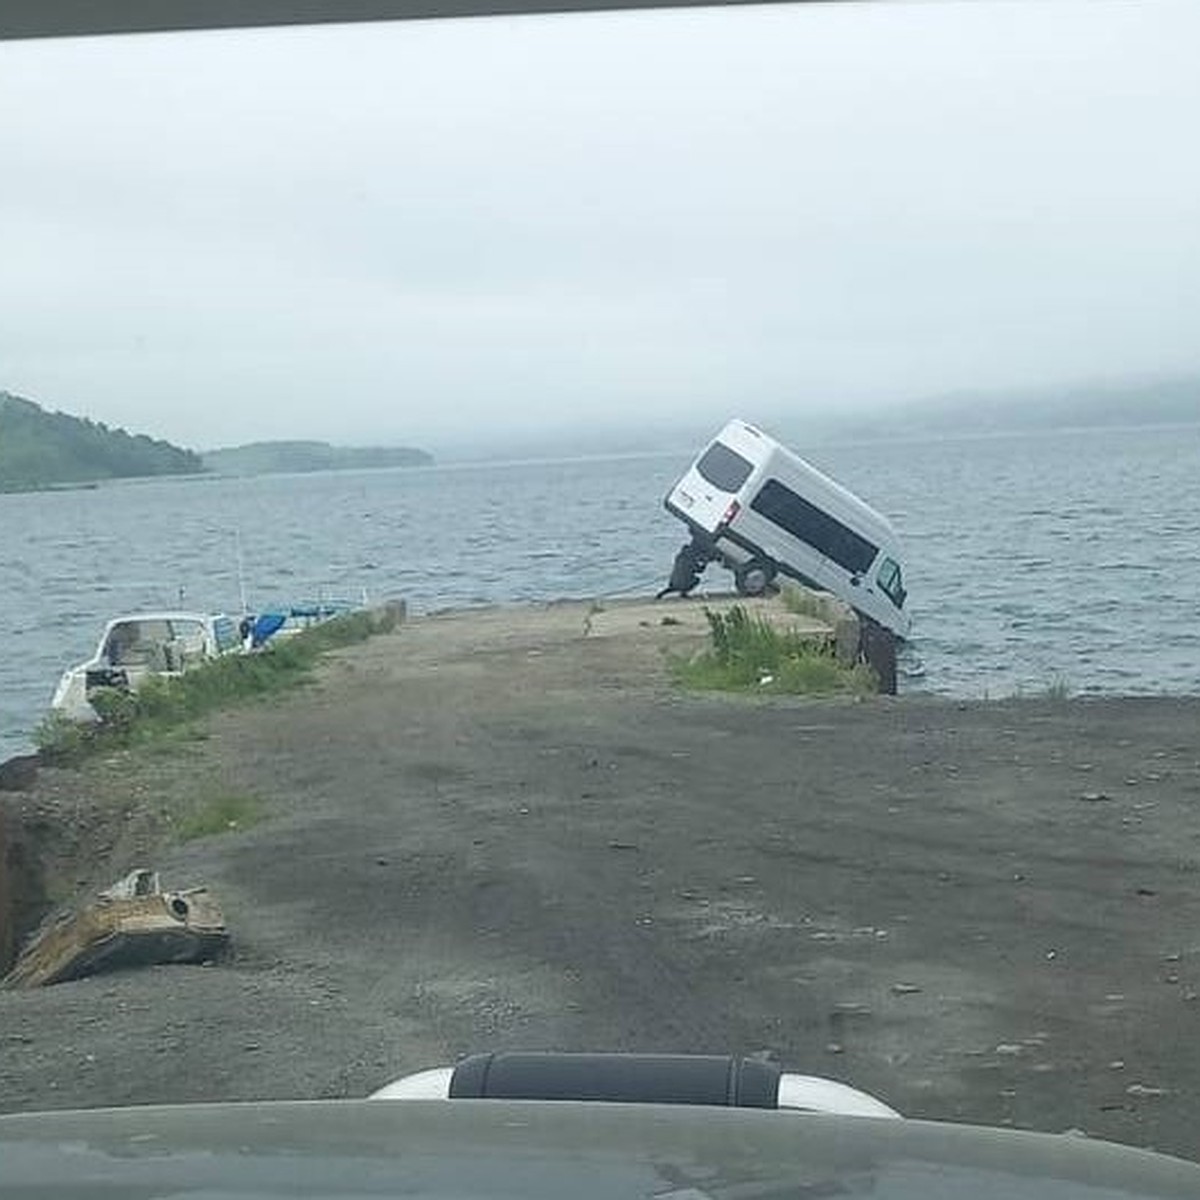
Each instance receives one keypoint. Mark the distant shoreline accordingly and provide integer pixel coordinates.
(683, 451)
(797, 440)
(191, 477)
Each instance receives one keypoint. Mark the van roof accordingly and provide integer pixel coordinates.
(759, 445)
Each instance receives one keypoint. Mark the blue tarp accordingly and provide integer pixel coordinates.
(265, 625)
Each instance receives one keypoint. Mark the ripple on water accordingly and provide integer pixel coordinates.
(1009, 592)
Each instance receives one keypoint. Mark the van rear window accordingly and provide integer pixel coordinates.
(724, 468)
(810, 524)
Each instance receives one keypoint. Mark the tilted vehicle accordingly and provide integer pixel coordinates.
(763, 512)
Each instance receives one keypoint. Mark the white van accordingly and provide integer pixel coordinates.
(761, 511)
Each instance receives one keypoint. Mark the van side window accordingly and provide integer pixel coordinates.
(724, 468)
(891, 582)
(810, 524)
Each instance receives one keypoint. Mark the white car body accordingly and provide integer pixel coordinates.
(763, 511)
(798, 1093)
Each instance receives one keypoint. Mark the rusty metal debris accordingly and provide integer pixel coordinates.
(133, 923)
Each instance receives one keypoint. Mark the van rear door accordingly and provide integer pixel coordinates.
(704, 495)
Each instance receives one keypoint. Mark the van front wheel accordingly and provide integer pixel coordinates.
(753, 578)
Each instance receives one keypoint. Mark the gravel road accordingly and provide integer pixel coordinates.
(508, 829)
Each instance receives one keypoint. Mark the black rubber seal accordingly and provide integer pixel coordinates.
(628, 1078)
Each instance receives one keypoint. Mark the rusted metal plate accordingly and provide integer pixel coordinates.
(123, 931)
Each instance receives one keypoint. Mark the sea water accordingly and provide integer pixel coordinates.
(1068, 558)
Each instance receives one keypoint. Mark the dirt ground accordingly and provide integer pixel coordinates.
(509, 829)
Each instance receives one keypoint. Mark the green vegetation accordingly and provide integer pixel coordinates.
(750, 654)
(61, 741)
(163, 705)
(265, 458)
(224, 813)
(40, 449)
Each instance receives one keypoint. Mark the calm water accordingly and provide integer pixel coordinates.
(1072, 556)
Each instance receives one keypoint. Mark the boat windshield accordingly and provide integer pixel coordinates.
(137, 643)
(891, 582)
(189, 635)
(142, 643)
(724, 468)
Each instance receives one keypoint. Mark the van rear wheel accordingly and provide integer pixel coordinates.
(753, 578)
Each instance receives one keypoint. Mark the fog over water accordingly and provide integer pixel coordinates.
(489, 232)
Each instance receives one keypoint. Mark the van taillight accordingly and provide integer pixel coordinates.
(731, 512)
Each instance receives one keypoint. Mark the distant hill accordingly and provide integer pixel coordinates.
(40, 449)
(808, 421)
(1129, 402)
(265, 458)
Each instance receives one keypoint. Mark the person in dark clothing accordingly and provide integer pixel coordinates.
(686, 571)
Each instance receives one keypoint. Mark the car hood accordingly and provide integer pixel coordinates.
(532, 1149)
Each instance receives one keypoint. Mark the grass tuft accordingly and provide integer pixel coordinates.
(225, 813)
(750, 654)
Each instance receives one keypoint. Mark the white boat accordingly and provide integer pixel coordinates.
(283, 620)
(138, 646)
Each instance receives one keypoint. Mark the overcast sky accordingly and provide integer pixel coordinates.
(427, 231)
